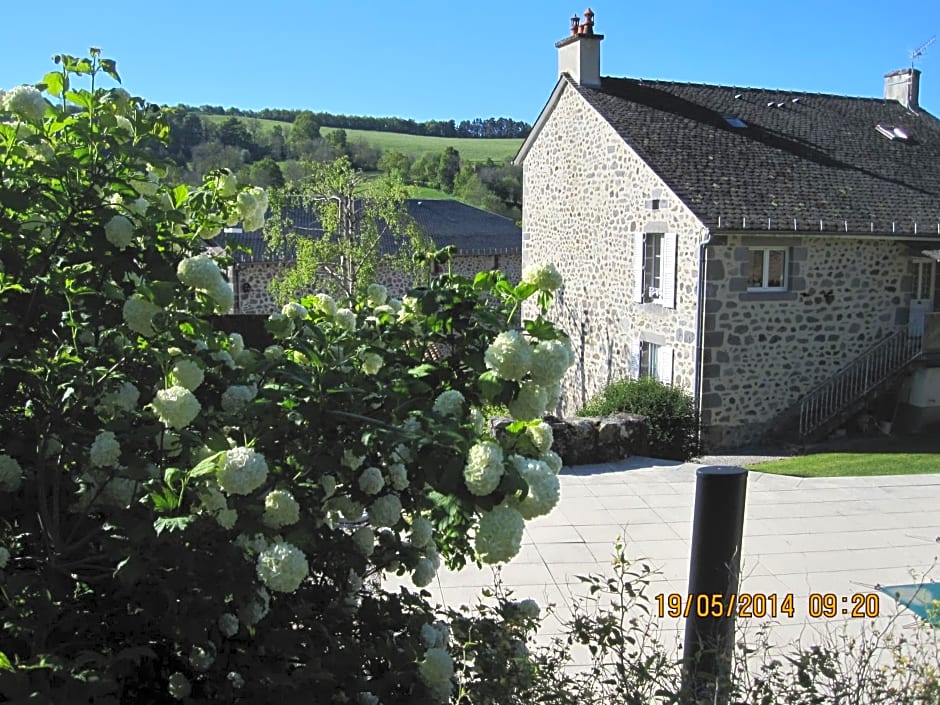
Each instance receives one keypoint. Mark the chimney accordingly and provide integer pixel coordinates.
(579, 54)
(904, 87)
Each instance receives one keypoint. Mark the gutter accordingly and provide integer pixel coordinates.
(700, 329)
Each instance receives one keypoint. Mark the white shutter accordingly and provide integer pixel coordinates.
(664, 364)
(634, 362)
(639, 261)
(668, 280)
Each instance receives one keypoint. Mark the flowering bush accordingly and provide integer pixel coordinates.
(185, 517)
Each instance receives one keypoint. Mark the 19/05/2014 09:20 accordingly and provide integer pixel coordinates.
(766, 605)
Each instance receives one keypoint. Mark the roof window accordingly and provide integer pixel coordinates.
(735, 121)
(892, 132)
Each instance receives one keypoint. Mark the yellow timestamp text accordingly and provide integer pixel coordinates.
(761, 605)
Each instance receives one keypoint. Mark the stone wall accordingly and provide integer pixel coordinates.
(764, 350)
(588, 440)
(587, 197)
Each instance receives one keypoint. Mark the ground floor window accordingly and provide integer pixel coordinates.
(768, 270)
(649, 359)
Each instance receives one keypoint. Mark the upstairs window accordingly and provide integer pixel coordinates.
(655, 269)
(768, 269)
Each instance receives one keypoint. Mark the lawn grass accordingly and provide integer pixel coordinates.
(852, 465)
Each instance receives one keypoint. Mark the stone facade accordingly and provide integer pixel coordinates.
(587, 198)
(764, 350)
(257, 298)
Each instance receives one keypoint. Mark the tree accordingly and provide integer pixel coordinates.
(357, 226)
(234, 133)
(265, 173)
(396, 163)
(305, 127)
(448, 168)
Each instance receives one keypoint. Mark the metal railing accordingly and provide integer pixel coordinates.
(853, 382)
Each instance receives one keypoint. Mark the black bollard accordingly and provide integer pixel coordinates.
(717, 529)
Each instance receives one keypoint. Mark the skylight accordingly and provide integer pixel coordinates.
(735, 121)
(892, 132)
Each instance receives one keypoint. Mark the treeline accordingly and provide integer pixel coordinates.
(478, 127)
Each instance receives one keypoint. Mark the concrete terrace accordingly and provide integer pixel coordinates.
(801, 536)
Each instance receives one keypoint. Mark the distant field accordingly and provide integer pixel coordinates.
(474, 150)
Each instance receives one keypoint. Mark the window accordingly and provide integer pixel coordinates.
(649, 359)
(653, 266)
(735, 121)
(655, 269)
(768, 269)
(653, 360)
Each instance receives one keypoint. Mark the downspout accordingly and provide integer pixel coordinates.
(700, 330)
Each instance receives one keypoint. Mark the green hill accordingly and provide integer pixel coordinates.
(471, 149)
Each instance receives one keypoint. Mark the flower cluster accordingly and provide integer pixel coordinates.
(371, 480)
(499, 535)
(123, 399)
(346, 319)
(371, 362)
(178, 686)
(509, 355)
(422, 532)
(282, 567)
(279, 325)
(176, 407)
(105, 451)
(543, 276)
(237, 397)
(228, 624)
(187, 374)
(376, 295)
(252, 205)
(11, 474)
(243, 471)
(543, 486)
(280, 509)
(449, 403)
(436, 671)
(295, 311)
(26, 102)
(541, 436)
(363, 539)
(484, 468)
(139, 313)
(550, 360)
(385, 511)
(201, 273)
(119, 231)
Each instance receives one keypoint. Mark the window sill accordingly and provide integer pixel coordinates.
(768, 295)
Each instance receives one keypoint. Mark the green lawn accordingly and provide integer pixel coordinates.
(853, 464)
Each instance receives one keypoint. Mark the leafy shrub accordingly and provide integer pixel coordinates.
(670, 413)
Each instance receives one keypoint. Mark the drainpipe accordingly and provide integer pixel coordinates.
(700, 328)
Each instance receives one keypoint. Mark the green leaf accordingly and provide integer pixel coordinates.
(172, 524)
(55, 82)
(208, 466)
(180, 194)
(5, 664)
(422, 370)
(81, 98)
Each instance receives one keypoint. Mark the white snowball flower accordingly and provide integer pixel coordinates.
(282, 567)
(280, 509)
(328, 483)
(543, 486)
(236, 344)
(105, 451)
(207, 231)
(228, 624)
(345, 318)
(385, 511)
(423, 573)
(529, 608)
(235, 678)
(449, 403)
(178, 686)
(279, 325)
(273, 353)
(243, 471)
(499, 535)
(222, 295)
(351, 460)
(295, 311)
(541, 436)
(436, 671)
(200, 658)
(371, 480)
(227, 518)
(212, 500)
(255, 543)
(371, 362)
(139, 313)
(226, 184)
(530, 403)
(550, 360)
(188, 374)
(435, 635)
(325, 304)
(366, 698)
(122, 399)
(484, 468)
(398, 476)
(176, 407)
(119, 231)
(4, 557)
(552, 460)
(364, 540)
(199, 272)
(509, 355)
(544, 276)
(376, 295)
(256, 610)
(237, 397)
(26, 102)
(422, 532)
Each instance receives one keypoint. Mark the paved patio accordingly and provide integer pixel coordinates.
(801, 536)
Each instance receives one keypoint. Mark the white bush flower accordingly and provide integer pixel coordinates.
(207, 231)
(325, 304)
(385, 511)
(435, 635)
(449, 403)
(371, 362)
(363, 539)
(26, 102)
(295, 311)
(139, 313)
(4, 557)
(187, 374)
(228, 624)
(529, 608)
(105, 451)
(237, 397)
(176, 407)
(484, 468)
(530, 403)
(256, 610)
(371, 480)
(243, 471)
(119, 231)
(543, 276)
(345, 318)
(225, 358)
(366, 698)
(236, 344)
(253, 544)
(223, 296)
(280, 509)
(273, 353)
(422, 532)
(351, 510)
(398, 476)
(122, 399)
(423, 573)
(226, 184)
(199, 272)
(552, 460)
(509, 355)
(227, 518)
(351, 460)
(282, 567)
(541, 436)
(328, 483)
(543, 487)
(436, 671)
(178, 686)
(499, 535)
(376, 295)
(279, 325)
(235, 678)
(200, 658)
(212, 500)
(550, 360)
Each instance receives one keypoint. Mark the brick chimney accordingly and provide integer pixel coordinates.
(904, 87)
(579, 54)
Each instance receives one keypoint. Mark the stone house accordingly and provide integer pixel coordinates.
(483, 241)
(763, 249)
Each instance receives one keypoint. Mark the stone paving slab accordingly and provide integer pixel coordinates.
(802, 536)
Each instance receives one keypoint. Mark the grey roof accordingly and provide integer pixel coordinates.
(471, 230)
(802, 157)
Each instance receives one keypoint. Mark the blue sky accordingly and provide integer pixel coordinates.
(440, 60)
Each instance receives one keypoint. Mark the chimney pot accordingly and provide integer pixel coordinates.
(579, 54)
(904, 87)
(575, 22)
